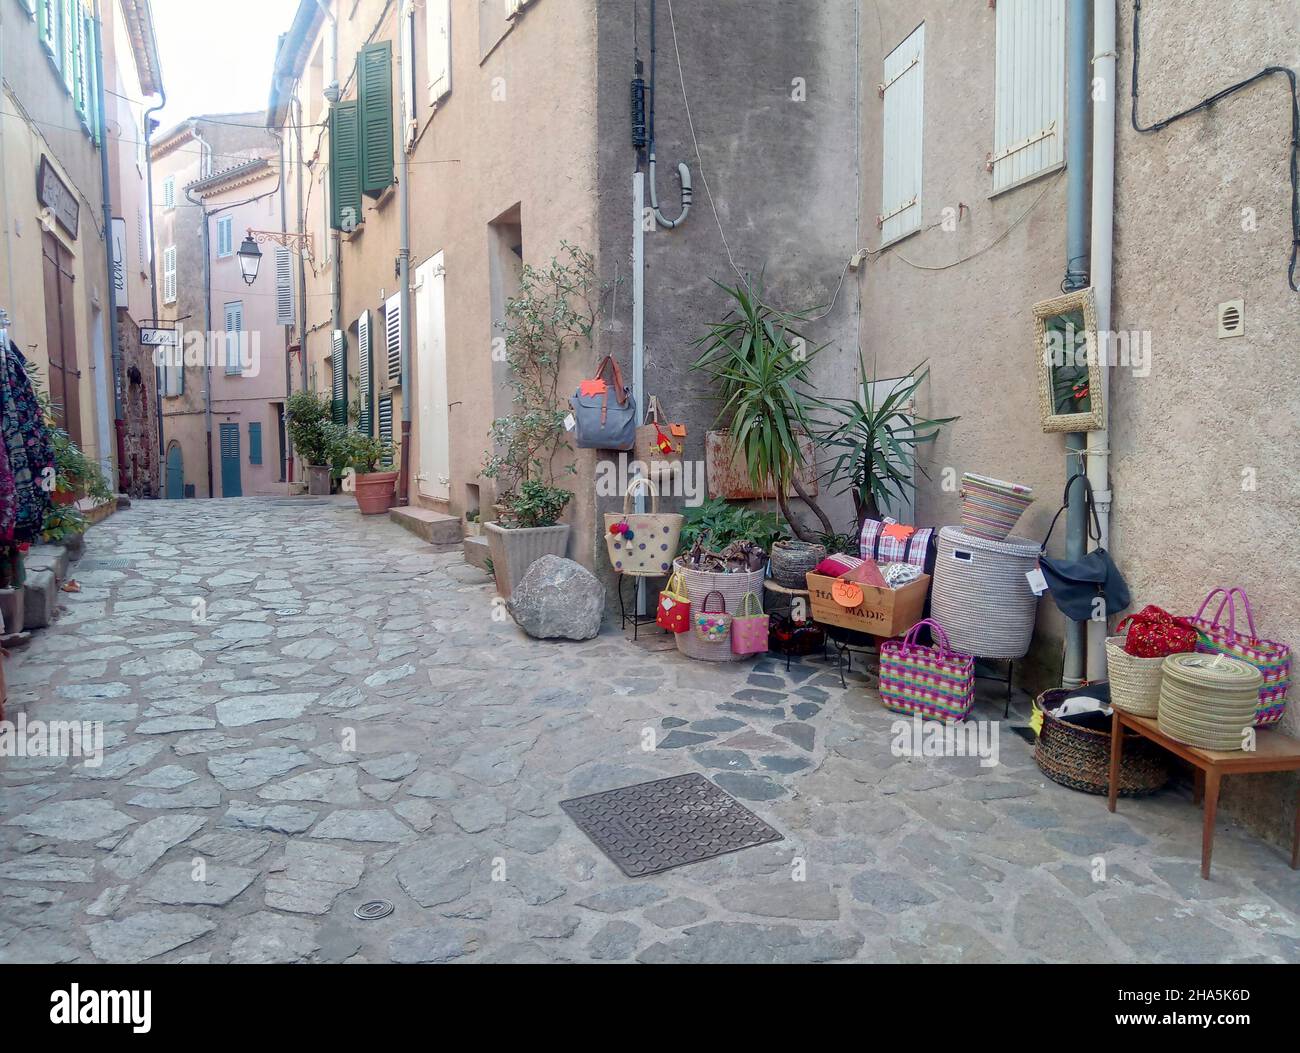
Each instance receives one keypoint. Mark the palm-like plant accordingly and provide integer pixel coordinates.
(761, 362)
(876, 440)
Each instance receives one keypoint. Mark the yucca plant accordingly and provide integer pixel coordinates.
(760, 361)
(876, 440)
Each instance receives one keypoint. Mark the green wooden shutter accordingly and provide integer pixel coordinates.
(254, 442)
(48, 21)
(386, 425)
(375, 96)
(339, 392)
(345, 167)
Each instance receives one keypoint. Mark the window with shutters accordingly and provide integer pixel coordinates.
(375, 103)
(393, 338)
(366, 371)
(284, 313)
(169, 193)
(345, 167)
(234, 338)
(225, 236)
(254, 442)
(80, 70)
(339, 379)
(169, 274)
(47, 20)
(1029, 120)
(903, 95)
(386, 425)
(68, 47)
(437, 15)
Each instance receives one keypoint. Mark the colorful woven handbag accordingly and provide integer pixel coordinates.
(674, 612)
(1155, 633)
(642, 544)
(713, 626)
(749, 630)
(935, 682)
(1271, 658)
(990, 508)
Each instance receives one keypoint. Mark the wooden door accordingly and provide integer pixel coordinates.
(61, 337)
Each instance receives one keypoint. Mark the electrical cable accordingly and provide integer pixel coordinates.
(1208, 103)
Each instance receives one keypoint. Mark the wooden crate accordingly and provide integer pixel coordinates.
(883, 612)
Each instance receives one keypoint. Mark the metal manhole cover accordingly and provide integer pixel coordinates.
(373, 910)
(102, 564)
(656, 826)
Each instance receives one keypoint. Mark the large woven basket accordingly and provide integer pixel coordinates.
(1208, 701)
(1079, 757)
(699, 584)
(1134, 681)
(792, 560)
(981, 595)
(990, 508)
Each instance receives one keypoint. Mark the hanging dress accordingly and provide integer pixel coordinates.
(27, 443)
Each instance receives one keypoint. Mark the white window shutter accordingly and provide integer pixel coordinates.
(903, 91)
(169, 274)
(284, 314)
(365, 422)
(169, 192)
(393, 322)
(407, 74)
(1029, 122)
(234, 332)
(438, 16)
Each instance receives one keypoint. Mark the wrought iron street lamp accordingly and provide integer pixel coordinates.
(250, 259)
(250, 256)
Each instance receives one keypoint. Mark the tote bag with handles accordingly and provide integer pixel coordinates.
(749, 627)
(673, 614)
(713, 627)
(642, 544)
(1271, 658)
(604, 410)
(1085, 587)
(934, 682)
(657, 443)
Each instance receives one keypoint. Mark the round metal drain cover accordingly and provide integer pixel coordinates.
(287, 612)
(374, 909)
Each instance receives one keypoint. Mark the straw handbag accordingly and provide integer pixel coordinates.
(990, 508)
(1208, 701)
(749, 627)
(1134, 682)
(1272, 659)
(699, 583)
(642, 544)
(673, 614)
(713, 627)
(658, 444)
(934, 682)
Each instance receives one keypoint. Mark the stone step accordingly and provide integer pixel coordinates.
(433, 527)
(476, 552)
(47, 557)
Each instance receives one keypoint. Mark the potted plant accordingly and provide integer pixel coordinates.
(760, 362)
(307, 419)
(76, 475)
(554, 313)
(375, 489)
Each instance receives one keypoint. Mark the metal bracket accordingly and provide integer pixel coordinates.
(882, 88)
(1024, 144)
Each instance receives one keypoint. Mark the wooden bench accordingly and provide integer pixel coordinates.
(1274, 752)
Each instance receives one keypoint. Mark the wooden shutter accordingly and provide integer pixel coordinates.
(386, 423)
(904, 124)
(169, 192)
(345, 167)
(375, 99)
(393, 337)
(29, 6)
(284, 313)
(68, 49)
(80, 43)
(225, 236)
(339, 387)
(1029, 123)
(169, 274)
(365, 357)
(254, 442)
(234, 335)
(48, 22)
(437, 14)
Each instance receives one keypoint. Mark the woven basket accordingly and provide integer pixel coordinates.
(1134, 682)
(698, 585)
(1208, 701)
(990, 508)
(981, 595)
(1079, 757)
(792, 560)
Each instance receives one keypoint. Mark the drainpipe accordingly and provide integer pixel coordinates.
(153, 274)
(119, 416)
(1076, 277)
(302, 226)
(207, 326)
(1103, 232)
(4, 190)
(286, 465)
(404, 281)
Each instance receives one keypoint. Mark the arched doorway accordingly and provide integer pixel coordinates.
(175, 473)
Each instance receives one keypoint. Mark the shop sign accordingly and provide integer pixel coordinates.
(122, 294)
(53, 193)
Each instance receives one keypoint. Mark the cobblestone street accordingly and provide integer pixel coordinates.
(229, 754)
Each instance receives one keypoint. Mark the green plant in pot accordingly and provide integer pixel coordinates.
(760, 363)
(76, 475)
(308, 418)
(875, 442)
(373, 484)
(553, 315)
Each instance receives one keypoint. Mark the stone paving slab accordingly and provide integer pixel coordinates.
(303, 710)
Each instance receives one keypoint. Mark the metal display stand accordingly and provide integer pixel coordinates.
(635, 619)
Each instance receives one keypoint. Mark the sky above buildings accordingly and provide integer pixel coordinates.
(216, 58)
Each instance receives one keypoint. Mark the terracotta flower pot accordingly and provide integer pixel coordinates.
(514, 550)
(376, 492)
(318, 480)
(64, 497)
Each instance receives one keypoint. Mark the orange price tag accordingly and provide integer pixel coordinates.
(595, 386)
(846, 593)
(679, 430)
(898, 531)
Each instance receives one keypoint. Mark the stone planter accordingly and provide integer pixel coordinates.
(513, 551)
(11, 609)
(318, 480)
(376, 492)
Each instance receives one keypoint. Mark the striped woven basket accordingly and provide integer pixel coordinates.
(1079, 757)
(734, 589)
(1208, 701)
(981, 595)
(990, 508)
(1134, 681)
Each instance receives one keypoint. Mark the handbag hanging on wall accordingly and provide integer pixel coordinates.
(604, 410)
(1078, 585)
(658, 443)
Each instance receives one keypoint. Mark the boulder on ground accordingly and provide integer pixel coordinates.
(558, 599)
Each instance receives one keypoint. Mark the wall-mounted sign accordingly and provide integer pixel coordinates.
(123, 295)
(160, 337)
(53, 193)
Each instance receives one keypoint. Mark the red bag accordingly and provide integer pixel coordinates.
(674, 613)
(1155, 633)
